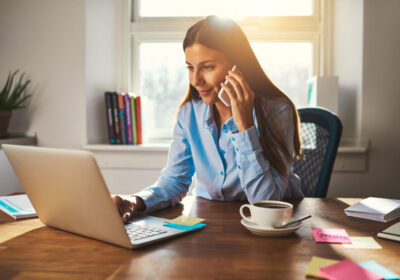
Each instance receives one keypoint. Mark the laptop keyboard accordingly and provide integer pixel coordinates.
(136, 232)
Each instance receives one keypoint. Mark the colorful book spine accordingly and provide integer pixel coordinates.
(133, 114)
(109, 115)
(138, 120)
(128, 118)
(117, 127)
(121, 108)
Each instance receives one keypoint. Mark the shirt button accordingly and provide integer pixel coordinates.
(233, 139)
(223, 152)
(239, 167)
(237, 149)
(222, 173)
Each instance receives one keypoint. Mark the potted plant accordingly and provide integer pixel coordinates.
(12, 97)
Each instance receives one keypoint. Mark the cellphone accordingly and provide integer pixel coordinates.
(222, 95)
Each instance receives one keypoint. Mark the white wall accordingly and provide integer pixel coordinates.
(103, 22)
(69, 51)
(47, 40)
(348, 62)
(367, 62)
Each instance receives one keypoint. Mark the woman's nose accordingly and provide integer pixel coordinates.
(196, 78)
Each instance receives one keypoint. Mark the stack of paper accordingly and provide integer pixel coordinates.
(392, 232)
(17, 206)
(375, 208)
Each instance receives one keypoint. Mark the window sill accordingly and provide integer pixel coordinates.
(154, 147)
(19, 139)
(353, 146)
(347, 146)
(351, 155)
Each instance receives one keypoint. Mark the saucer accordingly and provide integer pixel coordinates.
(270, 232)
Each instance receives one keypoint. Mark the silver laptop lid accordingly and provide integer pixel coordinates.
(68, 192)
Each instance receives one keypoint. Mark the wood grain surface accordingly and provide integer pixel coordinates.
(224, 249)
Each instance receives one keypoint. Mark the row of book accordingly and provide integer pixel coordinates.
(124, 120)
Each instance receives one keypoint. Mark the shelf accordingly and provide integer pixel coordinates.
(353, 146)
(351, 156)
(164, 147)
(347, 146)
(19, 139)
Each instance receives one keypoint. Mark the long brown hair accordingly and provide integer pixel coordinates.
(225, 36)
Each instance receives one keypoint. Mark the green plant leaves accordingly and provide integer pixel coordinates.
(13, 96)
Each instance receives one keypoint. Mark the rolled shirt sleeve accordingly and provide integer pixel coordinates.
(175, 178)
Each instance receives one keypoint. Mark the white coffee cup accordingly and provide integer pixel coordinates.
(268, 213)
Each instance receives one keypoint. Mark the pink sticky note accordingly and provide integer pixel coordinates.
(331, 235)
(348, 270)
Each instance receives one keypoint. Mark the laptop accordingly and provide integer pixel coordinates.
(68, 192)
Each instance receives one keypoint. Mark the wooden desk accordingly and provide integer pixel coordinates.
(223, 250)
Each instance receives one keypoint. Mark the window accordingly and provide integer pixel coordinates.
(285, 35)
(200, 8)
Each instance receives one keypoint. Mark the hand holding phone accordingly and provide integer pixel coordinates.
(222, 95)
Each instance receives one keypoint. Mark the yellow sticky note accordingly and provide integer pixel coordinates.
(316, 263)
(185, 220)
(363, 243)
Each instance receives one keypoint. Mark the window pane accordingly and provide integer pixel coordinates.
(230, 8)
(288, 65)
(163, 82)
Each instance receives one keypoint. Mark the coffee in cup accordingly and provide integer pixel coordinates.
(268, 213)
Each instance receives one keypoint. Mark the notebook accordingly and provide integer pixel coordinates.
(17, 206)
(68, 192)
(392, 232)
(375, 208)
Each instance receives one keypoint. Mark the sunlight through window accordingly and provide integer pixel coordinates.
(230, 8)
(287, 47)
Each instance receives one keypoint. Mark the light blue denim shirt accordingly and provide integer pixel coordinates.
(231, 167)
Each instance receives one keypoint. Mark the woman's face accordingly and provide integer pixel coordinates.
(207, 69)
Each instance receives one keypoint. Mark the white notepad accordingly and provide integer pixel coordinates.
(17, 206)
(375, 208)
(392, 232)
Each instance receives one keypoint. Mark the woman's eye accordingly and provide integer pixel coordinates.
(208, 67)
(205, 67)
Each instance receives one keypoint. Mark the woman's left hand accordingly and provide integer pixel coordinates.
(242, 100)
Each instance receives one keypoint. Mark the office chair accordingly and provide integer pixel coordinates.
(320, 132)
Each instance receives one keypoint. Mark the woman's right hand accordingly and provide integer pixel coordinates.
(242, 100)
(127, 207)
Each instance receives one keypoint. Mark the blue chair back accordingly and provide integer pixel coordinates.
(320, 132)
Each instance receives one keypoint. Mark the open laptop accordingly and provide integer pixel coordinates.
(68, 192)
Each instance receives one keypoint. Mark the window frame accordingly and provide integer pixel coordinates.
(314, 29)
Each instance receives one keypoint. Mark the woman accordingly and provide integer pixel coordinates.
(240, 152)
